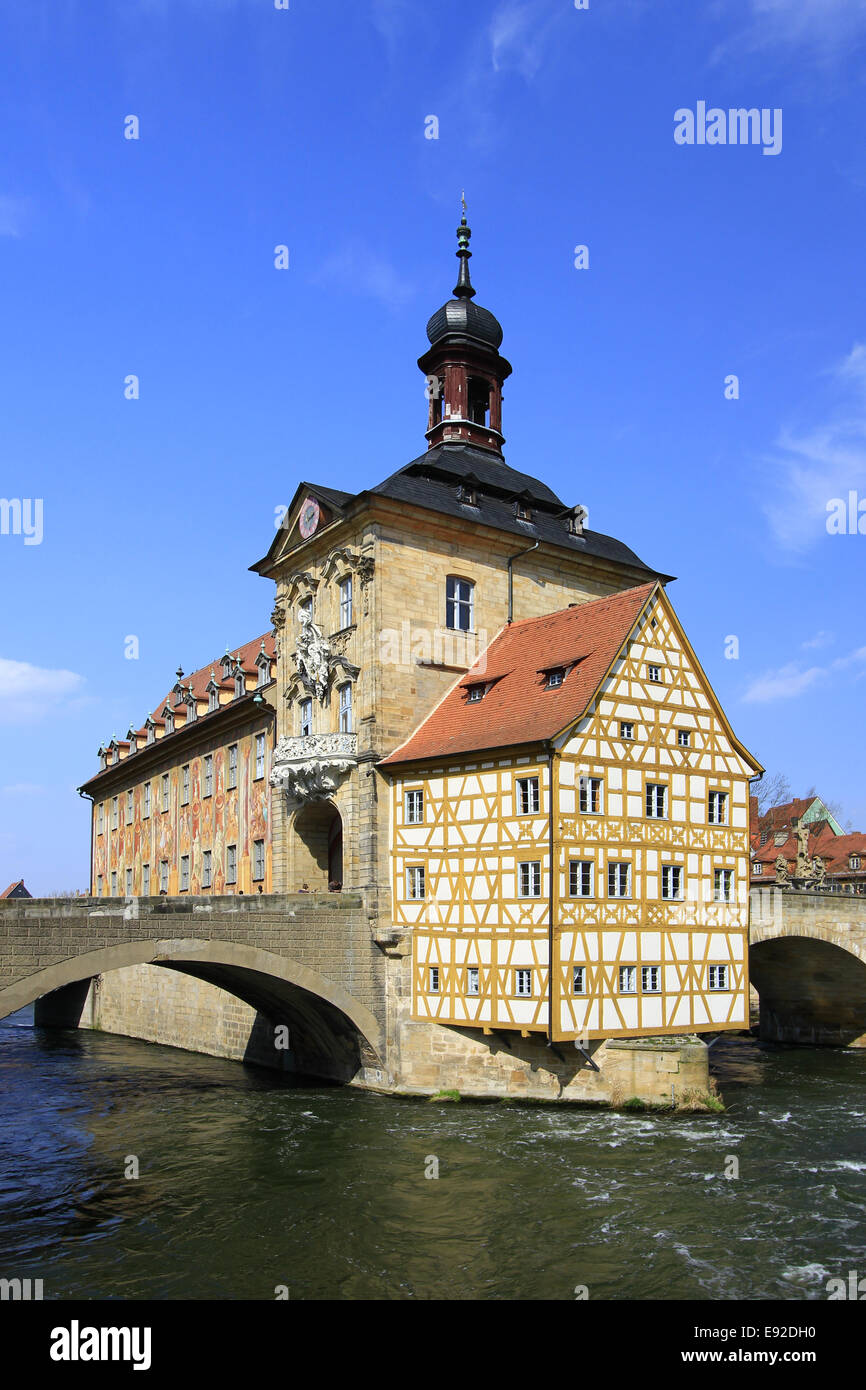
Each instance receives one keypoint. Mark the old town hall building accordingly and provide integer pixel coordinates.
(482, 713)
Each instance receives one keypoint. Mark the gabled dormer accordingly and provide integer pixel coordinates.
(213, 692)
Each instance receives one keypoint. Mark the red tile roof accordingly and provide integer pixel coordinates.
(10, 892)
(833, 849)
(518, 707)
(199, 679)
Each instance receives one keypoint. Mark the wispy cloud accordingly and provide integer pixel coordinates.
(15, 215)
(520, 34)
(793, 679)
(827, 28)
(816, 463)
(821, 639)
(355, 269)
(30, 693)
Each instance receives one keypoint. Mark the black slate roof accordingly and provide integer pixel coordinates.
(433, 479)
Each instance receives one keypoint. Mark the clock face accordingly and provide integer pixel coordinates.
(309, 519)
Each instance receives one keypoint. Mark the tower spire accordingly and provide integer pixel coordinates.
(463, 289)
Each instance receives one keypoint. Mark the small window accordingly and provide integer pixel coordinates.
(184, 798)
(346, 602)
(619, 880)
(684, 738)
(672, 882)
(147, 801)
(555, 678)
(260, 756)
(100, 819)
(129, 883)
(628, 979)
(208, 775)
(626, 730)
(305, 710)
(233, 767)
(99, 885)
(717, 808)
(459, 604)
(468, 495)
(476, 693)
(145, 880)
(580, 876)
(415, 885)
(114, 813)
(207, 868)
(650, 979)
(414, 807)
(184, 873)
(113, 883)
(578, 979)
(165, 791)
(654, 674)
(163, 876)
(717, 976)
(723, 886)
(472, 980)
(213, 699)
(346, 708)
(433, 980)
(757, 870)
(240, 684)
(523, 983)
(191, 710)
(590, 795)
(528, 799)
(656, 800)
(129, 800)
(169, 722)
(231, 863)
(529, 881)
(855, 861)
(258, 860)
(522, 511)
(150, 736)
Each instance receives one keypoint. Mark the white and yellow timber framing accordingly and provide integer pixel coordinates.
(474, 837)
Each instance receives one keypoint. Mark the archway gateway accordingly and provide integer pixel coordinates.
(318, 830)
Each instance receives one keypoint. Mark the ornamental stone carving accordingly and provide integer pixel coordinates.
(782, 876)
(312, 768)
(313, 656)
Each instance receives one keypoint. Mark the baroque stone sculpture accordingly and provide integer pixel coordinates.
(782, 876)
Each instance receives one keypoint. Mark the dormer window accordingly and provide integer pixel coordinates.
(467, 494)
(240, 684)
(264, 672)
(227, 665)
(476, 693)
(855, 861)
(169, 720)
(555, 678)
(151, 734)
(522, 510)
(191, 708)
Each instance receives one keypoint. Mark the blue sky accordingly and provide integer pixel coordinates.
(306, 127)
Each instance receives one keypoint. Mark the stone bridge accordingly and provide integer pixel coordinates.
(807, 960)
(307, 960)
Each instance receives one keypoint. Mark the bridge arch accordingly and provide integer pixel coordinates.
(335, 1030)
(811, 986)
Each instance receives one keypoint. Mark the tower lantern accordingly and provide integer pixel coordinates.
(463, 365)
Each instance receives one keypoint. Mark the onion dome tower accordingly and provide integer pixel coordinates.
(463, 366)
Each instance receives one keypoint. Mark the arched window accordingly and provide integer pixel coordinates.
(459, 604)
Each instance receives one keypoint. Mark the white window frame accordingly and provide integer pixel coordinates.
(207, 868)
(528, 796)
(523, 983)
(654, 673)
(163, 875)
(473, 980)
(416, 882)
(626, 730)
(166, 791)
(258, 861)
(207, 779)
(723, 885)
(529, 878)
(684, 738)
(346, 602)
(260, 757)
(577, 870)
(184, 873)
(578, 979)
(414, 806)
(617, 865)
(305, 716)
(114, 813)
(433, 980)
(590, 789)
(717, 802)
(656, 805)
(672, 874)
(650, 979)
(231, 863)
(459, 604)
(717, 978)
(232, 780)
(184, 785)
(627, 979)
(346, 712)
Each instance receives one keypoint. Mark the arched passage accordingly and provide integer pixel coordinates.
(811, 990)
(318, 859)
(332, 1034)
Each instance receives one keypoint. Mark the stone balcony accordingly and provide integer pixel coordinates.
(311, 768)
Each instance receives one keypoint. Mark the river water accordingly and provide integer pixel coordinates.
(247, 1182)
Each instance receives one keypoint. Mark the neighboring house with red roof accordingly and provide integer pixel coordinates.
(16, 890)
(773, 837)
(181, 805)
(578, 796)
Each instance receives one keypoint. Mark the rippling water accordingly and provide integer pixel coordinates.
(247, 1182)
